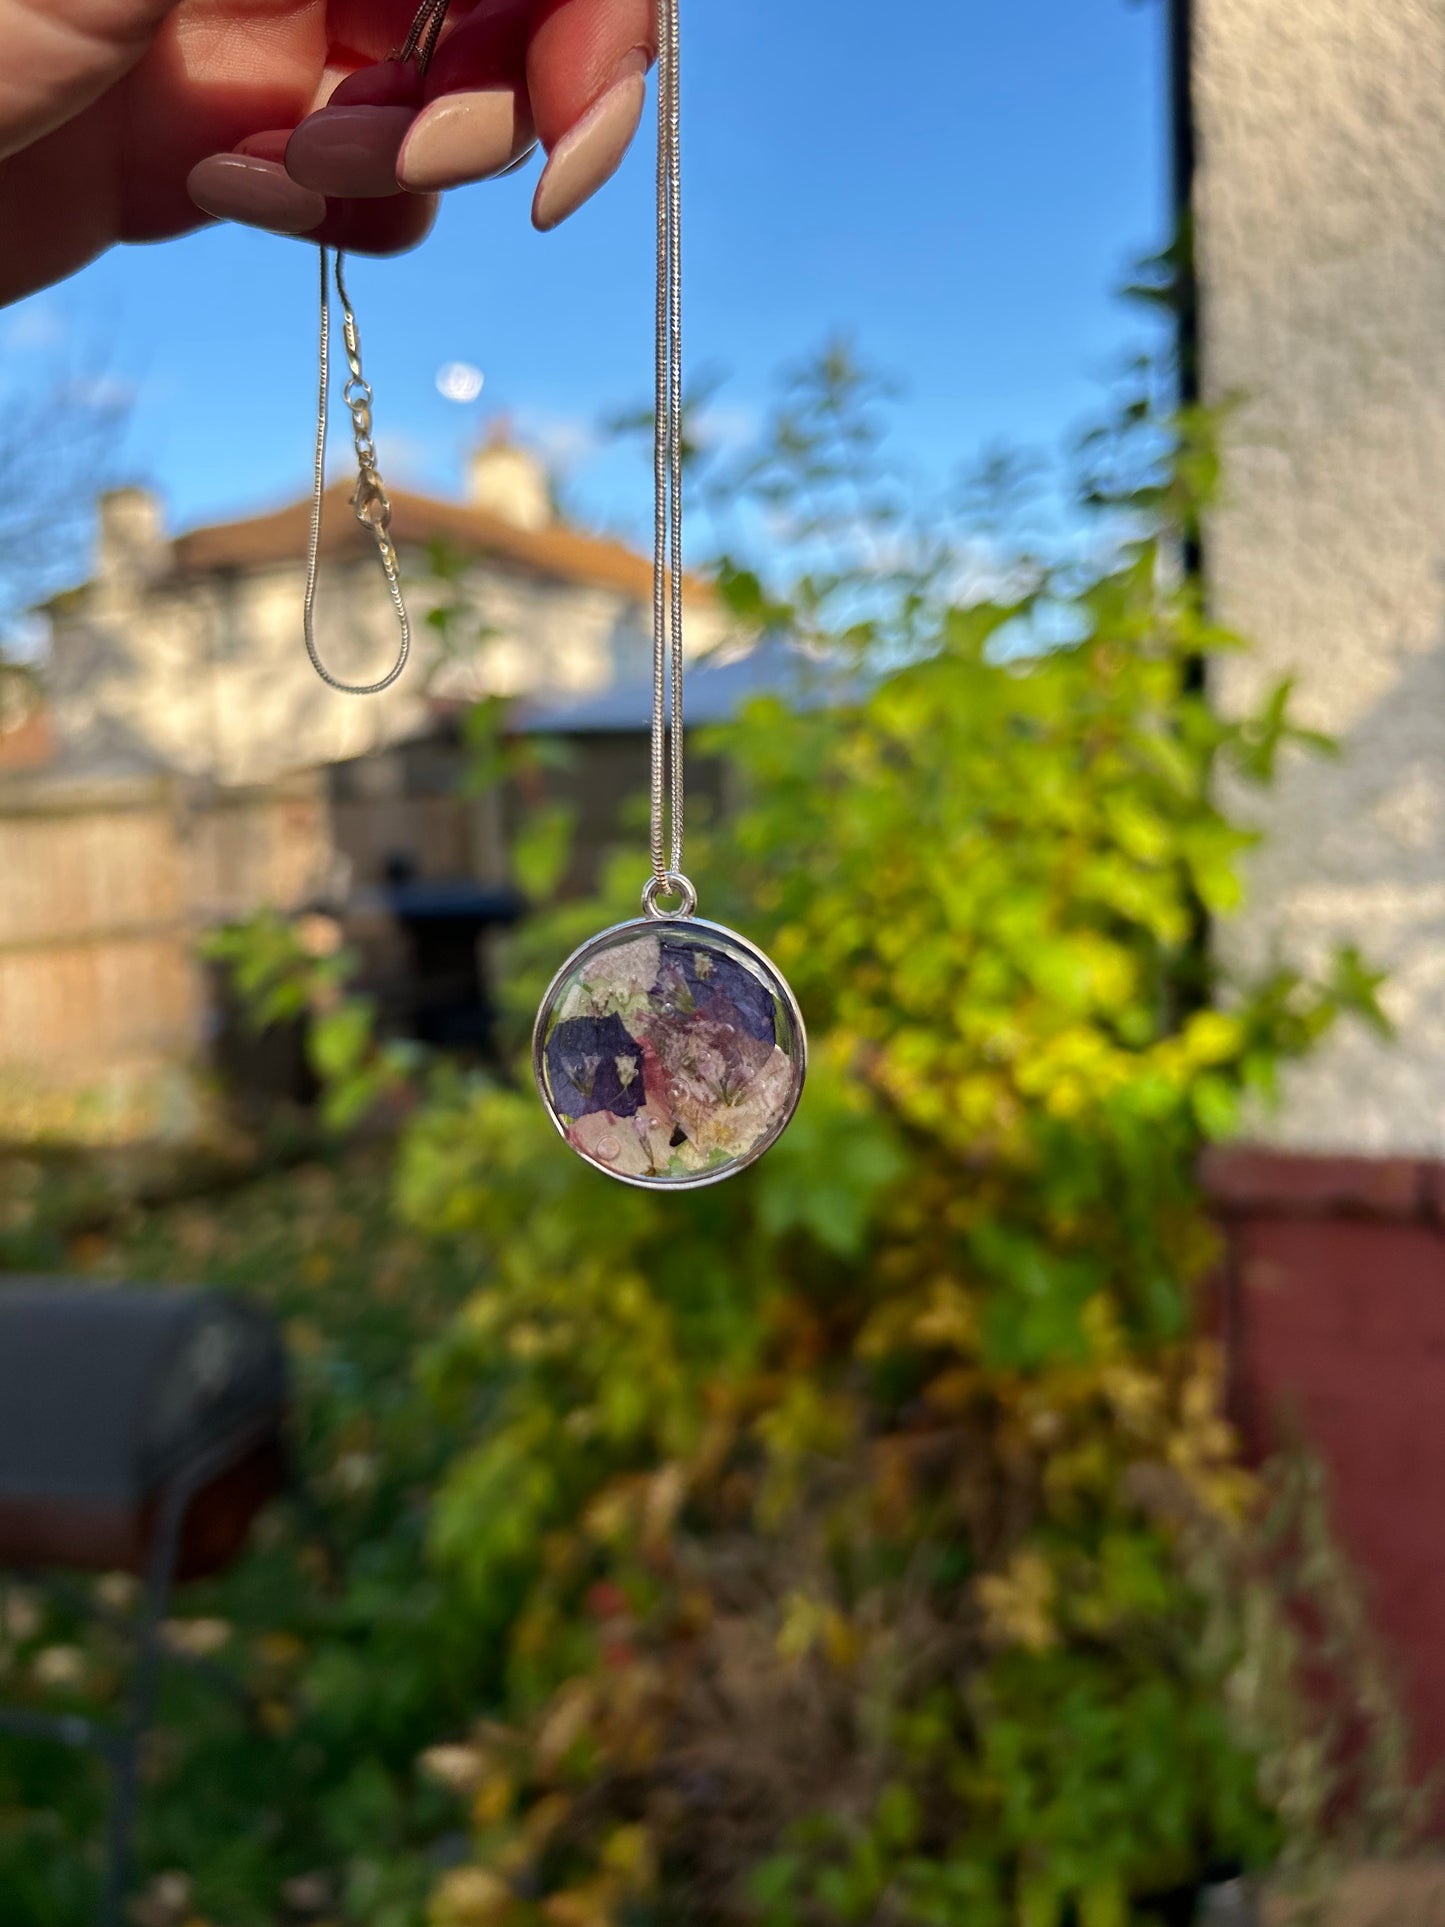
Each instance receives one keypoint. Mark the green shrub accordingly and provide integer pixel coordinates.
(857, 1539)
(860, 1540)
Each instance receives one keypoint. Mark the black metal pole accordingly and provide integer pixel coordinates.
(1183, 167)
(159, 1578)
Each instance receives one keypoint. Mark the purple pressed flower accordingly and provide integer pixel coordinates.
(724, 1088)
(595, 1064)
(695, 977)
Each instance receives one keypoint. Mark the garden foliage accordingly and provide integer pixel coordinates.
(860, 1540)
(857, 1539)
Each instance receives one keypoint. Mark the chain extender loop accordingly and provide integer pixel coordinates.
(369, 502)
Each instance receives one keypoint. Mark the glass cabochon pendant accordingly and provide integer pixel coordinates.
(669, 1051)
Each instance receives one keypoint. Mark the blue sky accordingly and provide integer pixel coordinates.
(962, 202)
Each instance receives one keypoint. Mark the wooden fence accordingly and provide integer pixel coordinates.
(104, 892)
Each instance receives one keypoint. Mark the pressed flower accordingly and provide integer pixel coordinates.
(586, 1058)
(692, 977)
(613, 1142)
(622, 978)
(670, 1056)
(725, 1088)
(730, 1121)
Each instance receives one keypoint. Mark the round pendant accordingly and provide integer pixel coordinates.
(669, 1052)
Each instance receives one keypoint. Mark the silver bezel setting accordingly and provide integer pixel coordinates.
(682, 926)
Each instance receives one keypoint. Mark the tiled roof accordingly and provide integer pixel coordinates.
(555, 552)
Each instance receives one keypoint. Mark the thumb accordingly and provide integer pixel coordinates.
(60, 55)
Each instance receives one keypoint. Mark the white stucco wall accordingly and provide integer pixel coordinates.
(1321, 234)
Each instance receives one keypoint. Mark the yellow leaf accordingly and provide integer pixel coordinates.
(592, 1906)
(949, 1319)
(1212, 1037)
(493, 1801)
(665, 1493)
(841, 1641)
(470, 1897)
(802, 1626)
(565, 1723)
(1017, 1604)
(545, 1817)
(629, 1853)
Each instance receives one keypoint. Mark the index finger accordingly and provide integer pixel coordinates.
(571, 72)
(587, 63)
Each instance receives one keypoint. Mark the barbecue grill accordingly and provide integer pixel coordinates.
(140, 1431)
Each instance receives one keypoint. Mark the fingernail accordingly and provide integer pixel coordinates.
(255, 192)
(462, 137)
(349, 152)
(389, 83)
(590, 153)
(267, 146)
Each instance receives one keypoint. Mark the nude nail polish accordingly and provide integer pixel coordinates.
(590, 153)
(255, 192)
(463, 137)
(349, 151)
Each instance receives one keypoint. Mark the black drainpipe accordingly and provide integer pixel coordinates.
(1193, 990)
(1183, 166)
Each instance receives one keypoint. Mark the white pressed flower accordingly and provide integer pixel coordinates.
(621, 978)
(742, 1119)
(612, 1141)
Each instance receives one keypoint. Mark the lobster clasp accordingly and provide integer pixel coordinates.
(369, 502)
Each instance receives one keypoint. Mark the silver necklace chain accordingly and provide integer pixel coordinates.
(668, 790)
(370, 502)
(372, 506)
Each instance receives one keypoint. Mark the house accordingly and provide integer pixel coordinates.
(1311, 153)
(189, 766)
(184, 654)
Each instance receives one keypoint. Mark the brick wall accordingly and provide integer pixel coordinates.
(1334, 1314)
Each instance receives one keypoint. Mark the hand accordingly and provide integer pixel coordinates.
(131, 120)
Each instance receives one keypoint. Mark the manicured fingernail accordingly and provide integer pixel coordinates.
(255, 192)
(349, 152)
(389, 83)
(590, 153)
(267, 146)
(516, 166)
(462, 137)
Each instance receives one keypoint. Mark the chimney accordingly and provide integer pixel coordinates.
(132, 548)
(509, 482)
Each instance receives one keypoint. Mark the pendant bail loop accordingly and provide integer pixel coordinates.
(672, 884)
